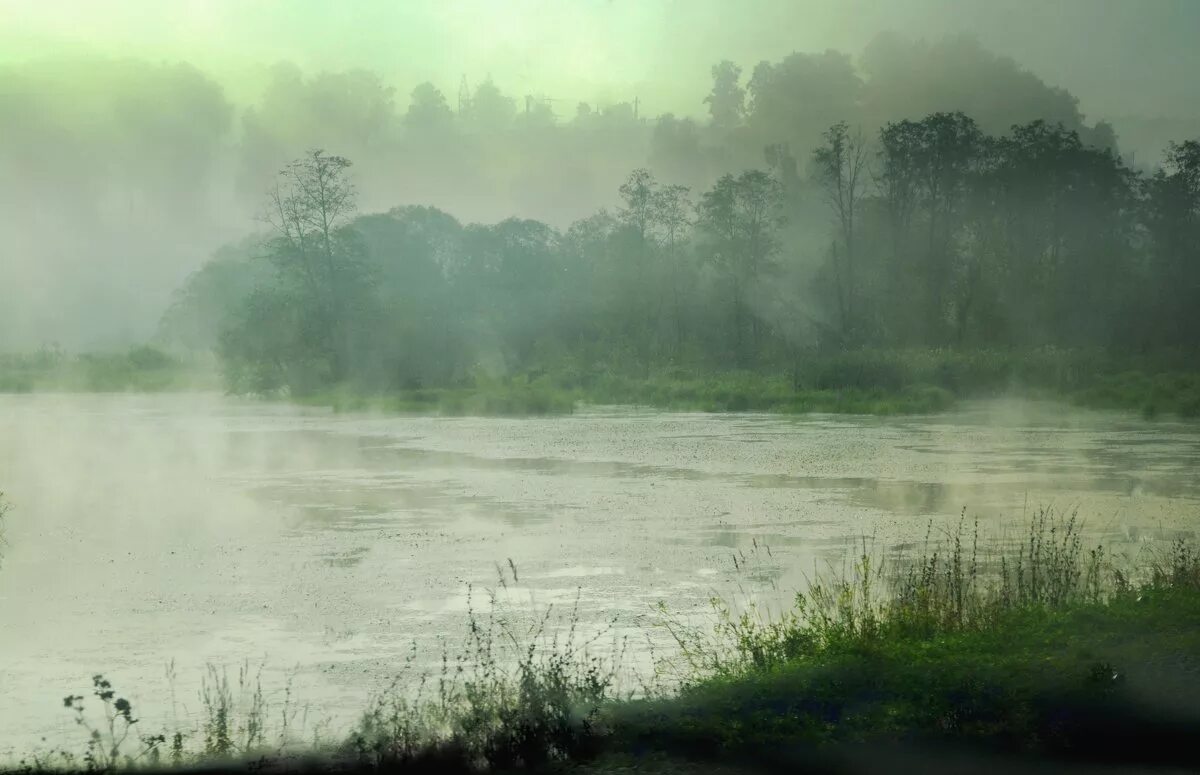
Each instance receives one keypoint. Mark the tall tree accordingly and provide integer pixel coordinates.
(727, 100)
(672, 209)
(927, 168)
(741, 216)
(840, 168)
(1173, 199)
(428, 111)
(638, 196)
(310, 208)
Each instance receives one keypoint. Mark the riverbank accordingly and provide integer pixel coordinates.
(141, 369)
(1041, 651)
(861, 382)
(874, 382)
(739, 392)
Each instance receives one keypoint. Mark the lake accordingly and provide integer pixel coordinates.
(322, 547)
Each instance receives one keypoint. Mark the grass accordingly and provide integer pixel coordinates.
(513, 397)
(1037, 648)
(510, 699)
(1167, 382)
(561, 393)
(140, 369)
(1029, 651)
(876, 382)
(1149, 394)
(748, 392)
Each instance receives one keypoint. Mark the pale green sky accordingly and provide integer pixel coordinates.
(1119, 56)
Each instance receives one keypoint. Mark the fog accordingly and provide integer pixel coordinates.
(830, 369)
(139, 137)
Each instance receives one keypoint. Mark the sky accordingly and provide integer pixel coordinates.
(1121, 57)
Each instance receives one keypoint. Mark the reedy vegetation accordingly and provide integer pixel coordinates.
(969, 640)
(138, 369)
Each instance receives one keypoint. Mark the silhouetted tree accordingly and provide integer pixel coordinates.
(840, 169)
(740, 216)
(727, 100)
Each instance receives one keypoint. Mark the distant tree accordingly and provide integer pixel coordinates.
(536, 114)
(780, 160)
(210, 295)
(956, 73)
(792, 101)
(490, 109)
(513, 269)
(1060, 213)
(675, 151)
(314, 248)
(583, 113)
(638, 197)
(927, 169)
(740, 215)
(1173, 205)
(637, 194)
(420, 331)
(428, 112)
(840, 168)
(727, 100)
(352, 110)
(672, 212)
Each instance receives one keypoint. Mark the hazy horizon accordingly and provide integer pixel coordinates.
(124, 171)
(602, 51)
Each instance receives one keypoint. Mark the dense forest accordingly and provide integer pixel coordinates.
(920, 195)
(113, 170)
(936, 235)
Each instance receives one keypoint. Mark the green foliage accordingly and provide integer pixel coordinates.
(107, 738)
(510, 699)
(953, 644)
(234, 722)
(139, 369)
(944, 280)
(1151, 394)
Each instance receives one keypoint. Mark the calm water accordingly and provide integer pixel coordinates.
(207, 530)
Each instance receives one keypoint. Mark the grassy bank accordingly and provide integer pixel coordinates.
(1049, 651)
(139, 369)
(561, 394)
(879, 382)
(862, 382)
(1042, 650)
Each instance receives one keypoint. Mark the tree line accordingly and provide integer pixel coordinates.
(927, 233)
(149, 166)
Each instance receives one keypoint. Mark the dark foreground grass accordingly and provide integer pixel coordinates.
(1085, 681)
(1039, 651)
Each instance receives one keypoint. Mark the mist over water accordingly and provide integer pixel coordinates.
(330, 331)
(204, 529)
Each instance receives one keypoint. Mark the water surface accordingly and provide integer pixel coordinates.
(204, 529)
